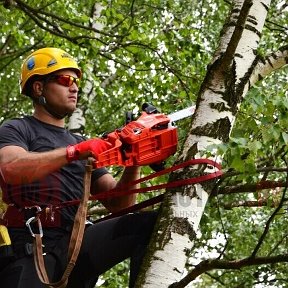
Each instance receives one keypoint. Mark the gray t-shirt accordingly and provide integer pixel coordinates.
(66, 184)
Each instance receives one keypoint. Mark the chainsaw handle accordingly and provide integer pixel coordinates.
(112, 156)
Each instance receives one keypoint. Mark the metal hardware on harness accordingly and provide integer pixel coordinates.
(75, 239)
(34, 219)
(50, 213)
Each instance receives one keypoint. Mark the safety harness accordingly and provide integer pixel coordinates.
(80, 218)
(75, 240)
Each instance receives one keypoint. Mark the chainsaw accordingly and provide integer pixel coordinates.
(151, 138)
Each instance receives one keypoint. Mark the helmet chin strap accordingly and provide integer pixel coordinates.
(42, 101)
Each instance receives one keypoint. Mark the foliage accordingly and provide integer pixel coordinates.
(157, 51)
(117, 277)
(164, 66)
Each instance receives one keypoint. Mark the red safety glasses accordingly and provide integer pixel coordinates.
(65, 80)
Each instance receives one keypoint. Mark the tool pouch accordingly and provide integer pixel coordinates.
(6, 251)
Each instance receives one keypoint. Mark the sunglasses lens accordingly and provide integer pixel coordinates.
(64, 80)
(67, 80)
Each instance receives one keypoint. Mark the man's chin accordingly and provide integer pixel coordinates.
(71, 109)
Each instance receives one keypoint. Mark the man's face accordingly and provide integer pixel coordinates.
(61, 91)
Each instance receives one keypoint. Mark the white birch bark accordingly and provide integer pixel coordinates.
(266, 66)
(219, 100)
(77, 121)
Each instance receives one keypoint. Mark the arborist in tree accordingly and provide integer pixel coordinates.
(42, 166)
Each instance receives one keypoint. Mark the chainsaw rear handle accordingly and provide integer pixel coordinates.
(112, 156)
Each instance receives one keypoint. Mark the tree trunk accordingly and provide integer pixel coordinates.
(77, 120)
(226, 83)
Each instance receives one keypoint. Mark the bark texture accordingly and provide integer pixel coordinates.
(228, 79)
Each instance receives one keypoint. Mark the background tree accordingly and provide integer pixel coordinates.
(155, 51)
(234, 68)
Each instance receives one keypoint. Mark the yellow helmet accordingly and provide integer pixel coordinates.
(45, 61)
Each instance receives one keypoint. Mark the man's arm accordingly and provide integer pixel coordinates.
(18, 166)
(107, 182)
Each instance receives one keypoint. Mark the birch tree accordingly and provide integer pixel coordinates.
(158, 51)
(234, 68)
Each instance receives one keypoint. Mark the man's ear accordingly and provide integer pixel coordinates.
(37, 88)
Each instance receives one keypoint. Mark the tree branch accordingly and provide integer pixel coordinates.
(250, 187)
(256, 203)
(28, 9)
(208, 265)
(268, 223)
(269, 64)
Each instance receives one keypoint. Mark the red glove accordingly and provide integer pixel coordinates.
(84, 149)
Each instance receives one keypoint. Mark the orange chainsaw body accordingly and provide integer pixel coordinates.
(149, 139)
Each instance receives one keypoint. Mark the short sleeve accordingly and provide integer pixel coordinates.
(97, 173)
(12, 132)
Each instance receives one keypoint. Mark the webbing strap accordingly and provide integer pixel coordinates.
(133, 208)
(124, 190)
(75, 240)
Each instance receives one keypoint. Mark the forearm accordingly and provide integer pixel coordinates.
(129, 175)
(107, 182)
(25, 167)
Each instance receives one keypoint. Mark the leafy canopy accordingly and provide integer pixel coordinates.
(157, 51)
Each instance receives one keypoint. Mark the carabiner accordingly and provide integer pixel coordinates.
(31, 220)
(34, 219)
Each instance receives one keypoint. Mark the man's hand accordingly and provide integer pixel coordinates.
(88, 148)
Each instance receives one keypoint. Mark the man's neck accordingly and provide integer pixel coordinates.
(44, 116)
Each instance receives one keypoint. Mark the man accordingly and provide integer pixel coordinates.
(42, 164)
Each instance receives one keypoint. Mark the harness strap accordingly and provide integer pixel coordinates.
(133, 208)
(124, 190)
(75, 240)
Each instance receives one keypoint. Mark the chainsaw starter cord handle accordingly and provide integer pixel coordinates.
(87, 148)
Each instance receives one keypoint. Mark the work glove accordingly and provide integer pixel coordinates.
(87, 148)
